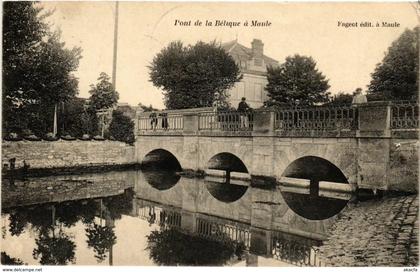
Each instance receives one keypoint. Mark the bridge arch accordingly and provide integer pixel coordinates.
(227, 161)
(314, 168)
(160, 159)
(226, 170)
(300, 186)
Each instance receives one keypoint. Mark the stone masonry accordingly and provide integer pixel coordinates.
(375, 233)
(44, 154)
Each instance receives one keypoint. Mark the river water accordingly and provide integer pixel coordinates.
(160, 218)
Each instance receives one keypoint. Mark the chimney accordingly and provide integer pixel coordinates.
(257, 48)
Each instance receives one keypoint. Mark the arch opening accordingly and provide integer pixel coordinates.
(160, 169)
(160, 159)
(225, 177)
(227, 162)
(314, 188)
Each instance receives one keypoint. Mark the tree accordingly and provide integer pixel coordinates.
(121, 127)
(341, 99)
(103, 95)
(396, 77)
(297, 81)
(54, 250)
(101, 239)
(190, 75)
(146, 108)
(173, 247)
(7, 260)
(37, 69)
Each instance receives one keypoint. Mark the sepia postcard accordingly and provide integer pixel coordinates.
(235, 134)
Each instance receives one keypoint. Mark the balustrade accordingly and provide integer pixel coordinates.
(221, 231)
(225, 121)
(293, 252)
(162, 217)
(316, 118)
(314, 121)
(160, 121)
(404, 115)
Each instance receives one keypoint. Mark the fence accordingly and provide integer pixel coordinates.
(293, 252)
(404, 115)
(162, 217)
(221, 231)
(160, 121)
(225, 121)
(317, 118)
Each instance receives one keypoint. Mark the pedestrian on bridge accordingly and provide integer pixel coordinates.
(243, 109)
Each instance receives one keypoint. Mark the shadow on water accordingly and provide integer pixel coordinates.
(226, 192)
(170, 246)
(51, 222)
(161, 180)
(309, 204)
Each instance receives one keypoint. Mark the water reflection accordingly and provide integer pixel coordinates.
(161, 180)
(175, 247)
(194, 223)
(308, 202)
(49, 223)
(226, 192)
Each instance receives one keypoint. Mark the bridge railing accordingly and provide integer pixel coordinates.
(225, 121)
(404, 115)
(366, 120)
(317, 118)
(160, 121)
(221, 231)
(293, 252)
(162, 217)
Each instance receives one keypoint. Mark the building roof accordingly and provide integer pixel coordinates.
(236, 49)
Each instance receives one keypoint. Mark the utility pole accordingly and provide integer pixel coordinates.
(55, 120)
(114, 62)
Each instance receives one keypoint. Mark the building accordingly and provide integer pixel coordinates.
(253, 64)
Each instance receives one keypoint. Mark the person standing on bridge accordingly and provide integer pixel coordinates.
(243, 109)
(358, 98)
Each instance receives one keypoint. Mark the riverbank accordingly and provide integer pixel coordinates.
(378, 232)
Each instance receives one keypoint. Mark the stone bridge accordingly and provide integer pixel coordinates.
(372, 146)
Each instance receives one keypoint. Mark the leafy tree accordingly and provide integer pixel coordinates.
(54, 250)
(103, 95)
(37, 69)
(341, 99)
(173, 247)
(190, 75)
(7, 260)
(297, 81)
(101, 239)
(121, 127)
(76, 119)
(147, 108)
(396, 77)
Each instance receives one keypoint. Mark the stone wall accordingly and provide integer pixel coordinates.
(60, 154)
(403, 165)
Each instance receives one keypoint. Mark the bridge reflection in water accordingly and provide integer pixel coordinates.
(180, 222)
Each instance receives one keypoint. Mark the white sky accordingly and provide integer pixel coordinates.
(347, 56)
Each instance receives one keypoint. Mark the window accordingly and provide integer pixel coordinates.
(249, 92)
(258, 91)
(240, 87)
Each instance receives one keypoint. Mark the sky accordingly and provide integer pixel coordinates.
(345, 55)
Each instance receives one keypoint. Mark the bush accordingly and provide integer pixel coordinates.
(50, 137)
(13, 137)
(121, 127)
(98, 138)
(68, 137)
(85, 137)
(32, 137)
